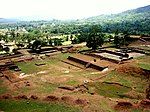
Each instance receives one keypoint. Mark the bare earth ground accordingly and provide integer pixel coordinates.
(86, 88)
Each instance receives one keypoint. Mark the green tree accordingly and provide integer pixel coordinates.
(57, 42)
(127, 38)
(36, 45)
(121, 39)
(1, 47)
(1, 37)
(50, 42)
(117, 39)
(95, 37)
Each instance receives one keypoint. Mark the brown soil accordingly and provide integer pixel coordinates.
(123, 105)
(55, 79)
(67, 99)
(21, 97)
(72, 96)
(72, 50)
(52, 98)
(81, 102)
(34, 97)
(10, 76)
(148, 92)
(145, 103)
(134, 95)
(6, 96)
(139, 42)
(130, 69)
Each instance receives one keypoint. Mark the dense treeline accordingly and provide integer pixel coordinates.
(134, 21)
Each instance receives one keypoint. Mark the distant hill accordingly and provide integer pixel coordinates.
(139, 10)
(136, 20)
(136, 14)
(4, 20)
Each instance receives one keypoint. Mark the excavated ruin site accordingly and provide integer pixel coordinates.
(105, 80)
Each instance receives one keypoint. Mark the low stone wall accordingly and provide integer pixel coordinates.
(10, 56)
(105, 58)
(86, 63)
(140, 50)
(115, 53)
(6, 66)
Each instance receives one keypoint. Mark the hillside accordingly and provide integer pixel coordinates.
(136, 20)
(139, 13)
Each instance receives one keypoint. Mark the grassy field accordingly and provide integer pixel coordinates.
(33, 106)
(30, 67)
(46, 80)
(145, 66)
(109, 90)
(144, 62)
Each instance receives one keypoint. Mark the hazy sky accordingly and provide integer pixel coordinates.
(65, 9)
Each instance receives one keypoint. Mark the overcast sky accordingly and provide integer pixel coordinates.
(65, 9)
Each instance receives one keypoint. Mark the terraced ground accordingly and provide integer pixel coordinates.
(50, 85)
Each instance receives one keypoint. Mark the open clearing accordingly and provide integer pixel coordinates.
(57, 84)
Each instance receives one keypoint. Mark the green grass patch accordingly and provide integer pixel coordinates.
(63, 56)
(145, 66)
(138, 83)
(1, 81)
(66, 43)
(41, 87)
(119, 78)
(83, 48)
(3, 90)
(109, 90)
(32, 106)
(72, 82)
(138, 110)
(24, 89)
(28, 67)
(105, 107)
(50, 61)
(46, 88)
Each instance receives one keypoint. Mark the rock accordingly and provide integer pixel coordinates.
(66, 71)
(86, 81)
(70, 88)
(22, 74)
